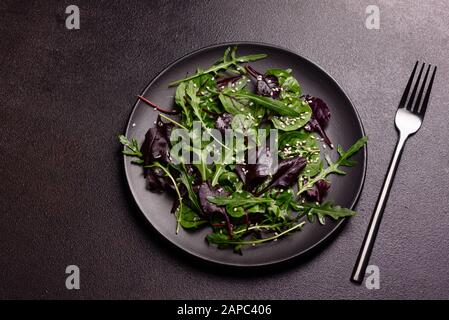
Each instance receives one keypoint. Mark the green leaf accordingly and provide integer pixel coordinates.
(229, 59)
(333, 167)
(289, 123)
(238, 199)
(217, 238)
(219, 170)
(353, 149)
(180, 98)
(304, 144)
(326, 209)
(230, 181)
(187, 181)
(189, 219)
(222, 239)
(192, 90)
(238, 202)
(235, 212)
(291, 90)
(131, 147)
(241, 104)
(276, 106)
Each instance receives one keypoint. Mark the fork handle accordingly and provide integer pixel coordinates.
(358, 273)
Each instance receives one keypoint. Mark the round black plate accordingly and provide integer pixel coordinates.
(344, 128)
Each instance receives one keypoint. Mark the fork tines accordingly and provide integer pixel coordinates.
(418, 104)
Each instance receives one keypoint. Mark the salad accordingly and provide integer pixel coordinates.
(211, 152)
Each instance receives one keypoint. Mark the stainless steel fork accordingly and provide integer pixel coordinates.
(408, 120)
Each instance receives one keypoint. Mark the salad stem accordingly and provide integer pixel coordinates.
(151, 104)
(179, 210)
(250, 242)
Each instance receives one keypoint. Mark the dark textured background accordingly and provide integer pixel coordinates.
(64, 95)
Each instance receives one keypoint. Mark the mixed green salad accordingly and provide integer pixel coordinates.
(243, 202)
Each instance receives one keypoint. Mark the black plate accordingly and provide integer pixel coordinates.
(344, 128)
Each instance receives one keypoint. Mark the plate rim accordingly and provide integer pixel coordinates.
(309, 249)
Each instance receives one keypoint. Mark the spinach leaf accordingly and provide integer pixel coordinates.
(189, 219)
(290, 88)
(236, 102)
(290, 123)
(276, 106)
(303, 143)
(230, 181)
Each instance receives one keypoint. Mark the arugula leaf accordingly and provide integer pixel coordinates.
(187, 181)
(238, 199)
(192, 90)
(238, 202)
(229, 60)
(221, 239)
(180, 97)
(322, 210)
(131, 147)
(333, 167)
